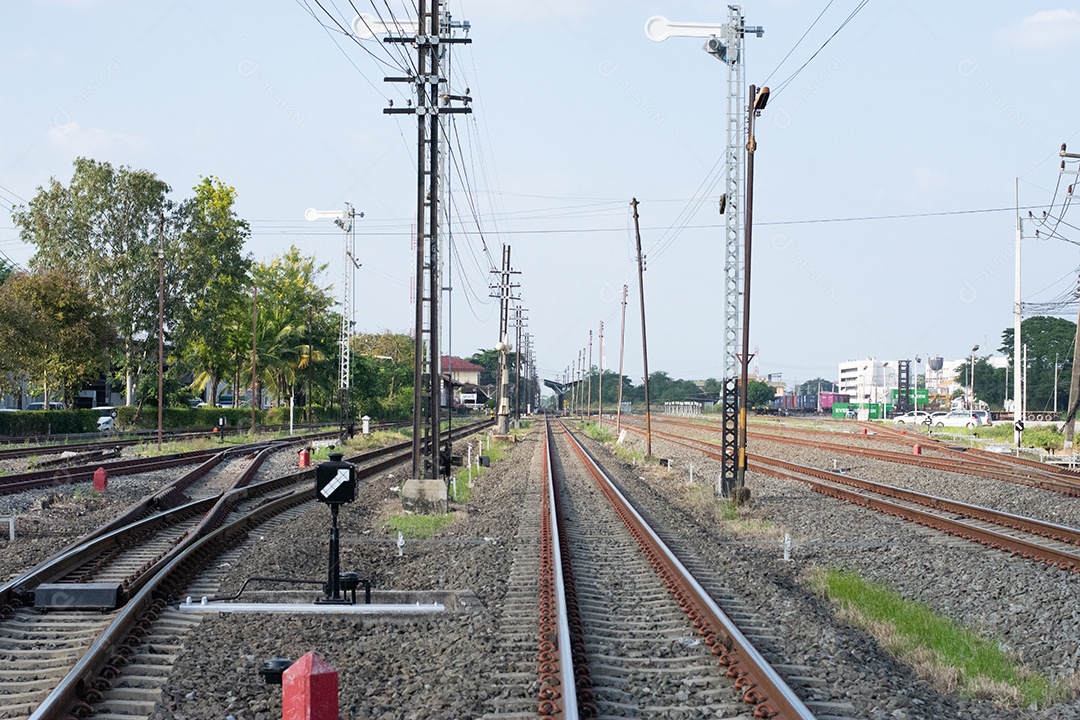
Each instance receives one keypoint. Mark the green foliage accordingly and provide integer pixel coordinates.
(183, 418)
(210, 283)
(811, 387)
(45, 422)
(289, 299)
(759, 394)
(418, 526)
(489, 360)
(105, 227)
(381, 387)
(975, 658)
(1048, 340)
(598, 433)
(52, 332)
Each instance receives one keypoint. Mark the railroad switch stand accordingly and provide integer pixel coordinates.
(335, 485)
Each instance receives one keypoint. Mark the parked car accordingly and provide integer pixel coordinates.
(983, 415)
(107, 419)
(915, 417)
(959, 418)
(41, 406)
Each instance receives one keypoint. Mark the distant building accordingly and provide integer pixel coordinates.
(867, 381)
(461, 371)
(464, 378)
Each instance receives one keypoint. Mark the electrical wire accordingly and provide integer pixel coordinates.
(780, 88)
(796, 45)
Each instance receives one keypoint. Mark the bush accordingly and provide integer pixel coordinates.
(182, 418)
(48, 422)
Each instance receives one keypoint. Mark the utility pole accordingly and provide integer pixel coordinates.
(588, 391)
(760, 97)
(518, 324)
(1074, 387)
(426, 491)
(622, 348)
(254, 334)
(600, 381)
(160, 329)
(581, 379)
(644, 343)
(505, 295)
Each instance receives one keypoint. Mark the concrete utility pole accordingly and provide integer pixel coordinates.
(588, 391)
(505, 295)
(519, 323)
(622, 348)
(581, 380)
(1074, 387)
(600, 380)
(425, 490)
(160, 331)
(1018, 313)
(254, 335)
(644, 343)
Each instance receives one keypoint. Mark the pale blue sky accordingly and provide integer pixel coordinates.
(914, 108)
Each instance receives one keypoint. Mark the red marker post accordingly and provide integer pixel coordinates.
(309, 690)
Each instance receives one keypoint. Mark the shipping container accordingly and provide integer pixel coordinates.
(828, 399)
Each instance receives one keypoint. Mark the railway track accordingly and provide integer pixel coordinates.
(645, 638)
(1027, 537)
(945, 457)
(88, 608)
(36, 479)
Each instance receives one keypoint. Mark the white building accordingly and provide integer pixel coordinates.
(867, 381)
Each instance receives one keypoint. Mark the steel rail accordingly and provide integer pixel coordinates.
(1032, 526)
(826, 483)
(558, 689)
(47, 478)
(84, 682)
(955, 461)
(999, 541)
(762, 687)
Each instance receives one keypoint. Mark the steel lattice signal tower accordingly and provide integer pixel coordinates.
(725, 42)
(344, 220)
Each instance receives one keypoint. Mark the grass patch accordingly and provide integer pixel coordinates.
(418, 526)
(85, 492)
(460, 491)
(949, 655)
(599, 433)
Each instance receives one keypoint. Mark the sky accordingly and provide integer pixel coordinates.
(886, 174)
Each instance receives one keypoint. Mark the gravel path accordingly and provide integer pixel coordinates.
(435, 666)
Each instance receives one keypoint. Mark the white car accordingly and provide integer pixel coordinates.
(915, 417)
(107, 419)
(959, 418)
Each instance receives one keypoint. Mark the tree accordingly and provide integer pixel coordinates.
(53, 330)
(989, 381)
(104, 227)
(1048, 340)
(212, 280)
(288, 296)
(812, 387)
(489, 361)
(759, 394)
